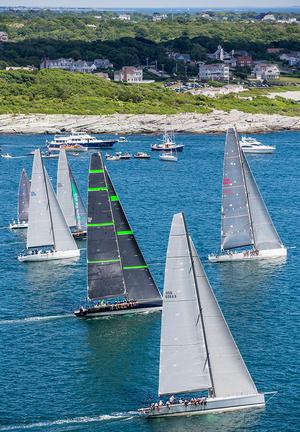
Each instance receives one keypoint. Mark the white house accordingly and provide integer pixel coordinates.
(264, 71)
(292, 58)
(129, 74)
(269, 17)
(69, 65)
(124, 17)
(215, 72)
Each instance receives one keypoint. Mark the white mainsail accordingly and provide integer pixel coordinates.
(230, 376)
(63, 239)
(183, 357)
(236, 228)
(23, 197)
(264, 232)
(64, 190)
(39, 220)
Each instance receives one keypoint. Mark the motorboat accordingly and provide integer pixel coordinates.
(122, 139)
(168, 144)
(125, 155)
(141, 155)
(80, 138)
(6, 156)
(252, 145)
(168, 157)
(114, 157)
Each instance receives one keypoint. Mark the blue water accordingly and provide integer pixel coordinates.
(62, 374)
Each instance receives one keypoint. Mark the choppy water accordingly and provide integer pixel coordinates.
(62, 374)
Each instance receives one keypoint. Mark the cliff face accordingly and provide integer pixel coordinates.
(216, 122)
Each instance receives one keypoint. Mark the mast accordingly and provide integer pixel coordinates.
(199, 303)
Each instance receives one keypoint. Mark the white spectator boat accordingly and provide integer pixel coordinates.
(251, 145)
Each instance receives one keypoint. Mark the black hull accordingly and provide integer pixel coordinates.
(117, 309)
(102, 145)
(174, 149)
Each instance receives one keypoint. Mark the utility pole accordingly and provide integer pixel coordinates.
(155, 65)
(147, 62)
(185, 71)
(162, 71)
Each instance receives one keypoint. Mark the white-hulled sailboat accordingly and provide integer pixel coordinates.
(23, 202)
(245, 218)
(48, 235)
(197, 350)
(69, 198)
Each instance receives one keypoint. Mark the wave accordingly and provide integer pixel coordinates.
(34, 319)
(75, 420)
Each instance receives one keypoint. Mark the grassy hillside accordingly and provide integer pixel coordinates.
(54, 92)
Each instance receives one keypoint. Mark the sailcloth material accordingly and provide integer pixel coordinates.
(183, 356)
(39, 221)
(236, 223)
(230, 375)
(68, 195)
(24, 195)
(265, 234)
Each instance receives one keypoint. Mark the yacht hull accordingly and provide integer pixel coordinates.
(110, 310)
(18, 225)
(213, 405)
(243, 256)
(56, 255)
(258, 151)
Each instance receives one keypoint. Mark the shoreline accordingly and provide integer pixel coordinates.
(123, 124)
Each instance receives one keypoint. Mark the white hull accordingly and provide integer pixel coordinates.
(243, 256)
(213, 405)
(18, 225)
(268, 150)
(56, 255)
(168, 158)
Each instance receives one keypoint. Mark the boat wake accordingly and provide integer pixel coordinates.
(35, 319)
(68, 421)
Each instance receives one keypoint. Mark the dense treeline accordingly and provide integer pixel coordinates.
(35, 35)
(52, 92)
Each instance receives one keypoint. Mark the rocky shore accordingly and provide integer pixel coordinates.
(121, 124)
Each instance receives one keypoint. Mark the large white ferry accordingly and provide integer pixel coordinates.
(79, 139)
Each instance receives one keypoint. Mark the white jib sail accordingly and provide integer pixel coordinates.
(39, 222)
(64, 190)
(230, 376)
(63, 239)
(183, 357)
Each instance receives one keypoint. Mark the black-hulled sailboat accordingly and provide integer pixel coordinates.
(23, 202)
(119, 279)
(69, 198)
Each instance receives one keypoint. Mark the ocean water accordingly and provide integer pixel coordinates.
(59, 373)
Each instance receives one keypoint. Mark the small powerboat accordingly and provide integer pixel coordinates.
(141, 155)
(168, 157)
(122, 139)
(125, 155)
(6, 156)
(252, 145)
(109, 157)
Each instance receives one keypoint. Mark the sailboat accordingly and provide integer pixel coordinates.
(245, 218)
(119, 279)
(48, 235)
(23, 202)
(69, 198)
(197, 350)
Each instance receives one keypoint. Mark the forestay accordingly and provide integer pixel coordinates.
(39, 221)
(105, 275)
(230, 376)
(265, 234)
(138, 280)
(236, 228)
(63, 239)
(23, 197)
(183, 356)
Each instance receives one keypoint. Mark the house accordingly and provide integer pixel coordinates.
(215, 72)
(264, 71)
(185, 58)
(244, 61)
(69, 65)
(293, 58)
(129, 74)
(3, 37)
(274, 50)
(269, 17)
(124, 17)
(220, 54)
(103, 75)
(92, 26)
(103, 64)
(159, 17)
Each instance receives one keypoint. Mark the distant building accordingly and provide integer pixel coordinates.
(220, 54)
(263, 71)
(159, 17)
(214, 72)
(244, 61)
(185, 58)
(269, 17)
(26, 68)
(129, 74)
(3, 37)
(124, 17)
(69, 65)
(103, 75)
(274, 50)
(103, 64)
(92, 26)
(293, 58)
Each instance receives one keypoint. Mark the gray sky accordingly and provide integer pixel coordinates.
(152, 3)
